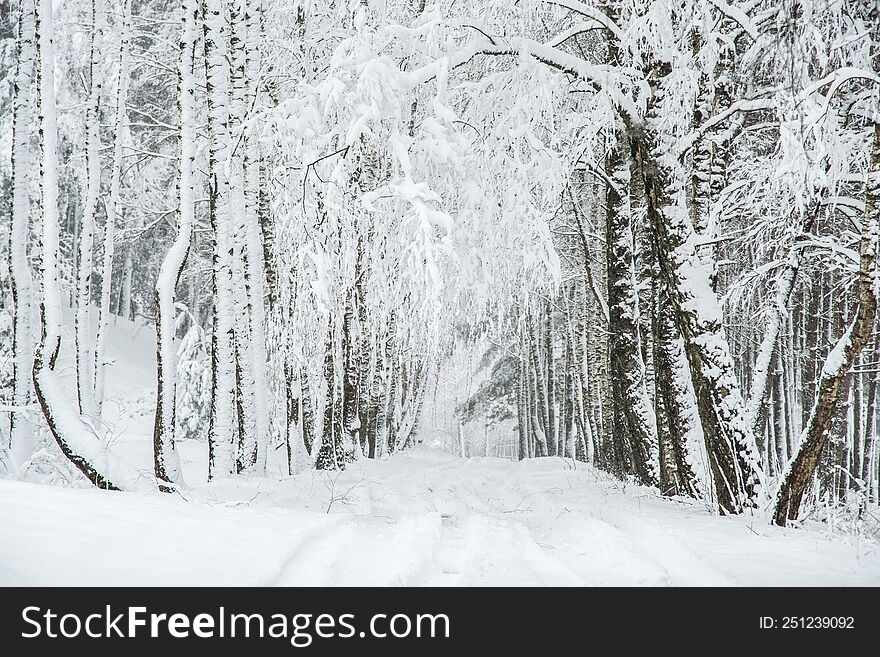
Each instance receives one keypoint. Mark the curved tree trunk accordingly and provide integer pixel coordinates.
(75, 437)
(165, 459)
(783, 288)
(800, 470)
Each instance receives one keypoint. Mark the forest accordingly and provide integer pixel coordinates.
(280, 240)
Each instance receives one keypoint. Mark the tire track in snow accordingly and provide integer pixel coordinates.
(684, 566)
(363, 551)
(603, 554)
(486, 551)
(412, 520)
(312, 561)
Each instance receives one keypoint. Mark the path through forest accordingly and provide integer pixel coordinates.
(421, 518)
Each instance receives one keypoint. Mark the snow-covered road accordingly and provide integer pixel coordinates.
(422, 518)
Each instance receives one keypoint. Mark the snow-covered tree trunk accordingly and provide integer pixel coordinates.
(580, 380)
(552, 420)
(521, 412)
(634, 424)
(708, 154)
(331, 453)
(675, 413)
(221, 434)
(383, 385)
(411, 404)
(697, 312)
(799, 473)
(21, 428)
(85, 355)
(297, 452)
(112, 207)
(567, 397)
(368, 393)
(253, 234)
(869, 430)
(241, 268)
(267, 233)
(591, 343)
(386, 425)
(307, 411)
(542, 417)
(166, 462)
(351, 371)
(367, 359)
(783, 287)
(76, 438)
(125, 308)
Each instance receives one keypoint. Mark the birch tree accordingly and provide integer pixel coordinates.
(166, 460)
(221, 433)
(85, 379)
(800, 470)
(23, 165)
(113, 205)
(624, 233)
(76, 438)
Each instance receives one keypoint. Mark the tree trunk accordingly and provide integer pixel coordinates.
(308, 412)
(549, 377)
(351, 368)
(21, 428)
(634, 424)
(221, 433)
(85, 380)
(331, 455)
(75, 438)
(165, 459)
(676, 475)
(783, 287)
(733, 458)
(254, 247)
(113, 209)
(246, 446)
(800, 470)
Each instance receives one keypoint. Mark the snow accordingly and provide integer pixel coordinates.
(414, 182)
(420, 518)
(738, 15)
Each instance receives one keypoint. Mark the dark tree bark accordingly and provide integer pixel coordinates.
(308, 411)
(676, 476)
(351, 367)
(634, 428)
(730, 445)
(549, 376)
(331, 455)
(839, 361)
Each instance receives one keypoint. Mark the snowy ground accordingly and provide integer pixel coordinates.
(419, 518)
